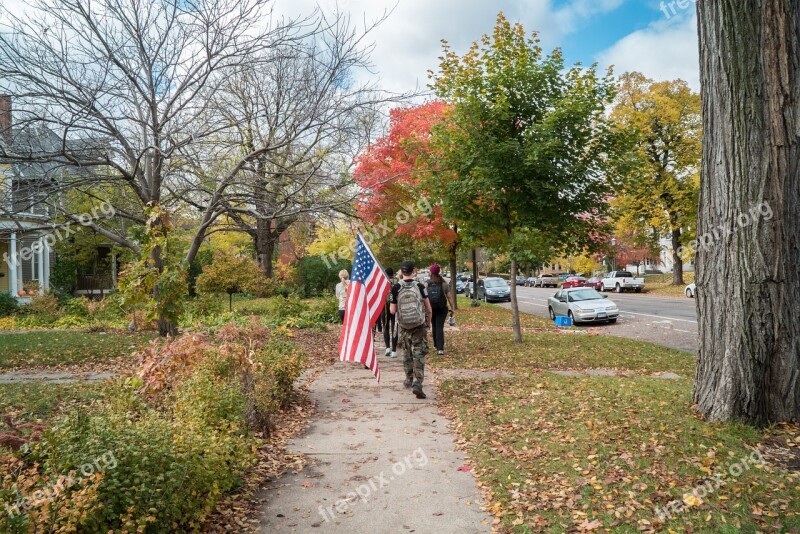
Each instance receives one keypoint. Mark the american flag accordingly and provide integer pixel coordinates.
(366, 297)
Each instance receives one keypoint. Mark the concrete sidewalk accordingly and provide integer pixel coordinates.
(383, 461)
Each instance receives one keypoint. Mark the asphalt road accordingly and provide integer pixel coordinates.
(671, 322)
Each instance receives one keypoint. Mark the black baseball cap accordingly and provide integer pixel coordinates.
(389, 272)
(407, 266)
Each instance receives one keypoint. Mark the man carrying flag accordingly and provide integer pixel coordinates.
(409, 301)
(366, 296)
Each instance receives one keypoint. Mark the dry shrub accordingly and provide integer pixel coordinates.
(163, 364)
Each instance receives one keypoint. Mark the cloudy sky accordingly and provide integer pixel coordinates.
(643, 35)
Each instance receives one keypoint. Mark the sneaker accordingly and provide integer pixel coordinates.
(407, 382)
(388, 352)
(394, 354)
(440, 352)
(419, 393)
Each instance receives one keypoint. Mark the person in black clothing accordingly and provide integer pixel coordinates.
(439, 296)
(388, 324)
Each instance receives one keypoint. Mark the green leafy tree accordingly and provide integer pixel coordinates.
(231, 274)
(528, 143)
(158, 279)
(661, 190)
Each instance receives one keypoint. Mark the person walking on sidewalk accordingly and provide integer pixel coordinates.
(412, 309)
(341, 292)
(439, 297)
(389, 323)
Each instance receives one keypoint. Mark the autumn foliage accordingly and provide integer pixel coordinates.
(231, 273)
(397, 170)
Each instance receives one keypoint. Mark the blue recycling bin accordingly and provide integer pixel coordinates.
(563, 321)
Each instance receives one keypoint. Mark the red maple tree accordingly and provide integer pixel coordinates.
(395, 173)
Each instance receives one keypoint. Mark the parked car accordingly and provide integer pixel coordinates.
(620, 281)
(493, 290)
(460, 286)
(546, 280)
(463, 278)
(520, 281)
(583, 305)
(563, 276)
(530, 281)
(691, 290)
(573, 281)
(468, 287)
(594, 282)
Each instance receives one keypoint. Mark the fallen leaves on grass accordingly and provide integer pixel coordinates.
(580, 454)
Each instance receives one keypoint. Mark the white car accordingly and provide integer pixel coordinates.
(691, 291)
(583, 305)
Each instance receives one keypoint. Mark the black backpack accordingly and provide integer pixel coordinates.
(436, 296)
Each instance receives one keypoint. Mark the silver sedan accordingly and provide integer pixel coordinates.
(583, 305)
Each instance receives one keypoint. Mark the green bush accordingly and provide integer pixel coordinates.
(284, 308)
(43, 309)
(284, 362)
(8, 304)
(315, 276)
(166, 454)
(167, 473)
(76, 307)
(203, 258)
(323, 310)
(64, 274)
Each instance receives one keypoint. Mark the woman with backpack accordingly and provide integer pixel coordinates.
(439, 297)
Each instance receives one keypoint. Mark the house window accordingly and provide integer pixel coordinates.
(35, 267)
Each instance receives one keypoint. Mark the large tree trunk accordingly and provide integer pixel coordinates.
(265, 241)
(677, 261)
(748, 288)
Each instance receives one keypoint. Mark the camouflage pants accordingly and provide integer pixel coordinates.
(413, 345)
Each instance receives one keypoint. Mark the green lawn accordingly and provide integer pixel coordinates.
(544, 350)
(558, 453)
(40, 402)
(54, 348)
(491, 315)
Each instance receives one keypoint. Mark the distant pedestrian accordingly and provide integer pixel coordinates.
(341, 292)
(409, 303)
(439, 297)
(388, 323)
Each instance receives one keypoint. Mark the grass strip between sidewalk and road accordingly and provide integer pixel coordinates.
(561, 453)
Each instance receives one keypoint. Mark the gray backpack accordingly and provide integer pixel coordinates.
(410, 309)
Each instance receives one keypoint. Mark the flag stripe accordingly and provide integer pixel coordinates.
(369, 286)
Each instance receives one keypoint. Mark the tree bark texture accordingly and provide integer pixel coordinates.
(748, 284)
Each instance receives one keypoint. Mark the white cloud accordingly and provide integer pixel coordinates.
(663, 51)
(409, 42)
